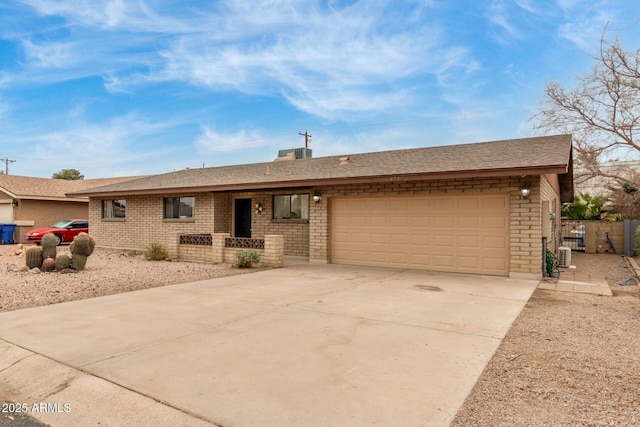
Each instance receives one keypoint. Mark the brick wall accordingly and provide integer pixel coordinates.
(525, 215)
(144, 222)
(295, 232)
(549, 192)
(271, 256)
(595, 236)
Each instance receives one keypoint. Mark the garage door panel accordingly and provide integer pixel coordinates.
(469, 204)
(468, 221)
(494, 221)
(495, 203)
(442, 241)
(465, 233)
(443, 221)
(444, 204)
(467, 262)
(470, 242)
(495, 242)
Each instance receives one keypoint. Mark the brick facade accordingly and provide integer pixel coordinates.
(311, 238)
(525, 215)
(144, 222)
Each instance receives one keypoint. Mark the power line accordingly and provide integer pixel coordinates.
(6, 164)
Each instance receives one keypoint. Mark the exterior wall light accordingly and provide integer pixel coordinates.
(259, 208)
(316, 198)
(525, 190)
(14, 203)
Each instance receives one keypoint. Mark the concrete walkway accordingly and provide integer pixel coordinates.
(306, 345)
(574, 281)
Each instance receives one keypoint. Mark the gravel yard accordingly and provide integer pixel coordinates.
(569, 358)
(107, 272)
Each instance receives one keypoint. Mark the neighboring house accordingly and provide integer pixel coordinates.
(38, 202)
(453, 208)
(602, 185)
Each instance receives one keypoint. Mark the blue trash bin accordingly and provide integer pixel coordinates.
(6, 233)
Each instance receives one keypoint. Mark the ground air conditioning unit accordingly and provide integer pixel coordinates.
(564, 257)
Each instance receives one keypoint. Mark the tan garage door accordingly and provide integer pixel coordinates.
(467, 234)
(6, 213)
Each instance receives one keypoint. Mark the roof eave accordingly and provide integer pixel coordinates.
(430, 176)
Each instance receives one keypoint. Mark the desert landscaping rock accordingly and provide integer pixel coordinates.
(107, 272)
(569, 359)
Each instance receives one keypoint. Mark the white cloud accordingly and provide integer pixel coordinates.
(49, 55)
(212, 141)
(499, 14)
(326, 59)
(585, 21)
(131, 15)
(325, 62)
(97, 150)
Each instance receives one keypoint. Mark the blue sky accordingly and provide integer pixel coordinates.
(130, 87)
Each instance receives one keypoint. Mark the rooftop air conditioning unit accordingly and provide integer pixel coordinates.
(564, 257)
(299, 153)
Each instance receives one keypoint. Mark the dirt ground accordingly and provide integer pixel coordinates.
(569, 359)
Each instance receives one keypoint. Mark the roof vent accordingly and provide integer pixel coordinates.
(344, 160)
(296, 153)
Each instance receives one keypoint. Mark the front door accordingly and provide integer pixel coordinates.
(242, 220)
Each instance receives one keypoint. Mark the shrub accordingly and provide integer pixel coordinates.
(246, 258)
(156, 252)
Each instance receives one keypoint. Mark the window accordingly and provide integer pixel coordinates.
(291, 206)
(114, 208)
(179, 207)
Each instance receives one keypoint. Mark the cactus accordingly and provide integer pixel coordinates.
(83, 244)
(33, 257)
(78, 262)
(63, 261)
(49, 244)
(49, 264)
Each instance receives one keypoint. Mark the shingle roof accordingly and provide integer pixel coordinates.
(26, 187)
(530, 156)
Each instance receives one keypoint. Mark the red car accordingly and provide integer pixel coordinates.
(64, 230)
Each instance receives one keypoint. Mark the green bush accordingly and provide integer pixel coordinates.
(156, 252)
(636, 236)
(246, 258)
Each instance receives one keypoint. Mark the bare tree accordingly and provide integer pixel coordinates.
(602, 113)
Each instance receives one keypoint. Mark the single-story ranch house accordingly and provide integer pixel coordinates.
(486, 208)
(30, 202)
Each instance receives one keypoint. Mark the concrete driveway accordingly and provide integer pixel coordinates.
(307, 345)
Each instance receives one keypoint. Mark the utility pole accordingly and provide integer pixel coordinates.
(6, 164)
(307, 138)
